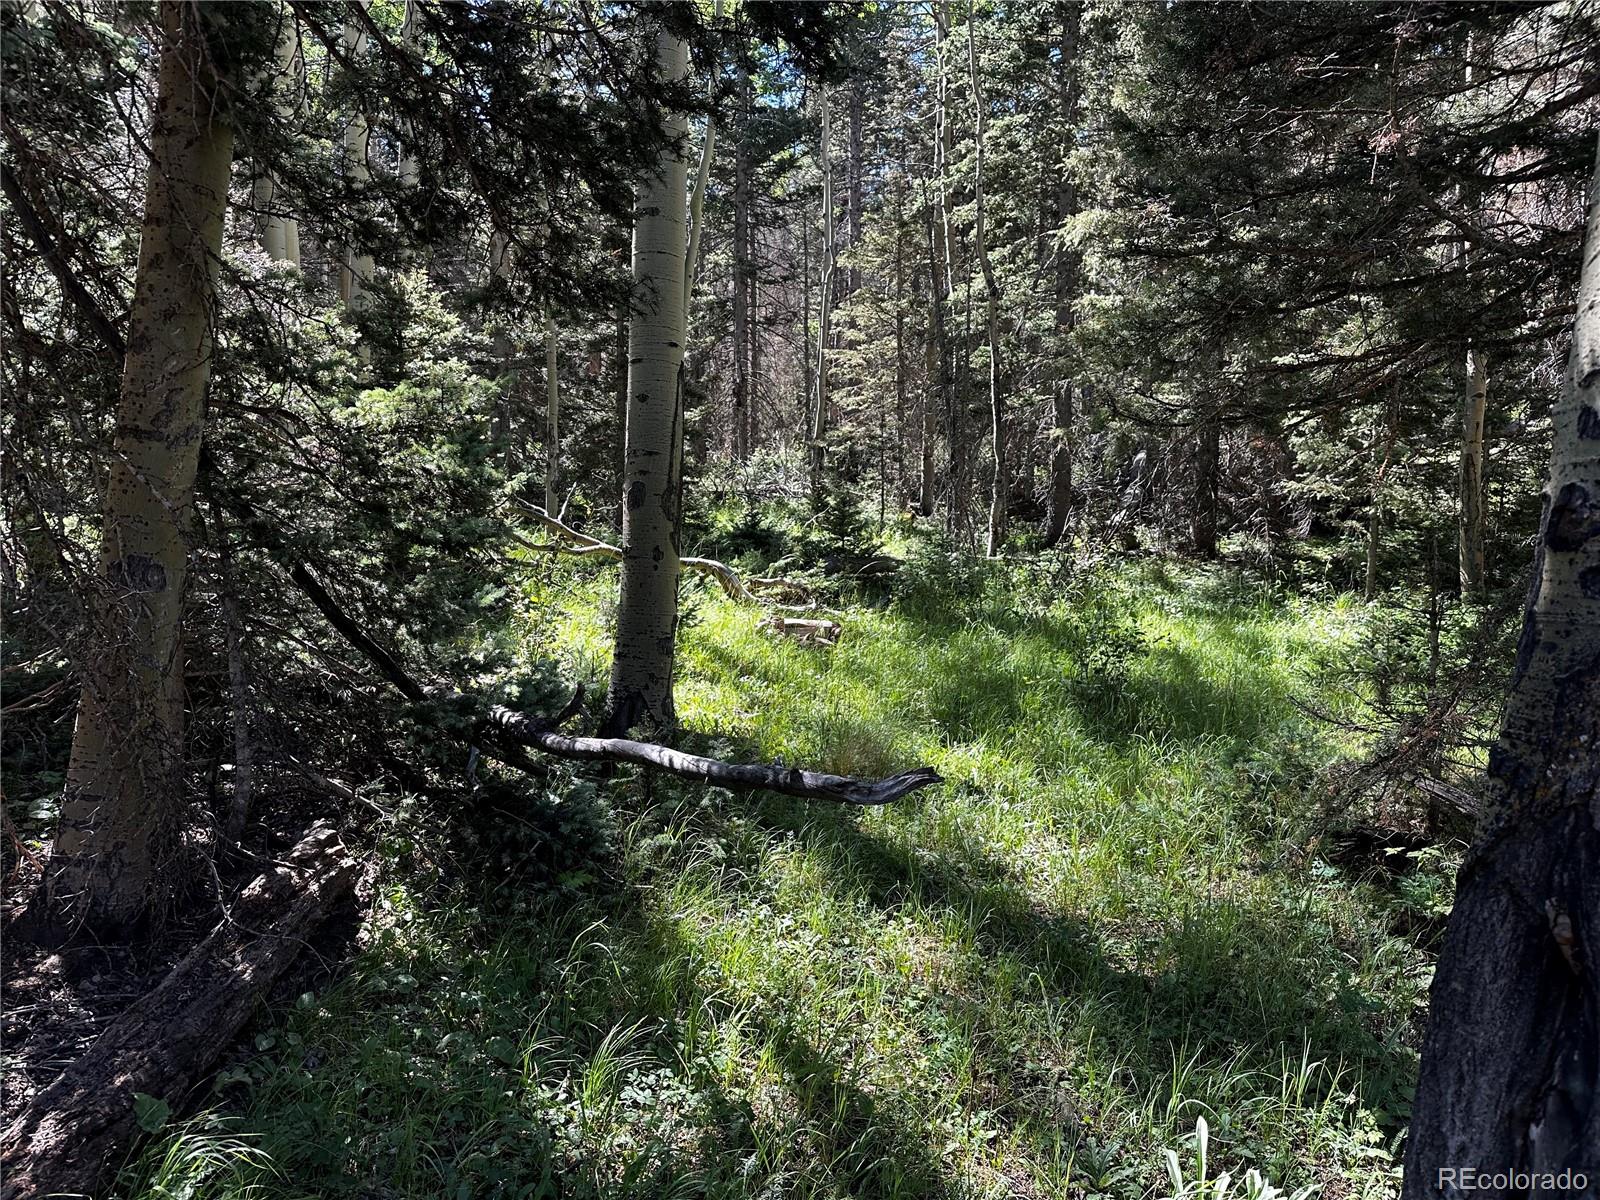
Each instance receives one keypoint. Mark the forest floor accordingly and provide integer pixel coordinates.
(1117, 916)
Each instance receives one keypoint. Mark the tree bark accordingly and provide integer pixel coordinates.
(65, 1141)
(819, 407)
(243, 781)
(640, 692)
(124, 779)
(1510, 1076)
(1474, 405)
(741, 274)
(1207, 455)
(1000, 495)
(355, 273)
(1066, 284)
(552, 416)
(407, 168)
(280, 233)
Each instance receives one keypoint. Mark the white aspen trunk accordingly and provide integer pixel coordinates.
(697, 202)
(284, 91)
(123, 795)
(819, 408)
(697, 206)
(1474, 408)
(1000, 496)
(640, 692)
(355, 275)
(406, 168)
(1509, 1065)
(502, 431)
(552, 417)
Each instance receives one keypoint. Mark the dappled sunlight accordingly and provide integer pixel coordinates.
(1024, 983)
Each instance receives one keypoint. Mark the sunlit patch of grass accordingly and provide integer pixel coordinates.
(1030, 982)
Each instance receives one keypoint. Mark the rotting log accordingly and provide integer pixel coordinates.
(735, 588)
(66, 1140)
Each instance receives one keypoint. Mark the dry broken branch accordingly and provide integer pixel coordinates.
(573, 542)
(789, 781)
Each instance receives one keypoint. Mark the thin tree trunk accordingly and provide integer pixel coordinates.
(504, 430)
(1510, 1077)
(753, 381)
(640, 692)
(741, 274)
(1374, 533)
(1470, 535)
(807, 363)
(124, 790)
(1203, 522)
(1000, 496)
(355, 274)
(552, 416)
(853, 177)
(620, 369)
(280, 233)
(900, 372)
(407, 168)
(1067, 271)
(242, 783)
(819, 408)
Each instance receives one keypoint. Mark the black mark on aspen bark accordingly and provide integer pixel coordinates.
(635, 496)
(1589, 582)
(1589, 423)
(137, 573)
(1574, 519)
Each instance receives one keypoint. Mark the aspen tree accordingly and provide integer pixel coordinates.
(280, 233)
(1508, 1065)
(640, 691)
(1000, 497)
(355, 273)
(123, 792)
(819, 404)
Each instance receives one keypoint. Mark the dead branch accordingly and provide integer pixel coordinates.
(572, 542)
(789, 781)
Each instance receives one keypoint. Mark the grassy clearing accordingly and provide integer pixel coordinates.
(1028, 983)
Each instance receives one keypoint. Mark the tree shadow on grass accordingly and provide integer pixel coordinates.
(1226, 985)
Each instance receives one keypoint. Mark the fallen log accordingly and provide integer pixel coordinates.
(789, 781)
(582, 545)
(509, 731)
(66, 1140)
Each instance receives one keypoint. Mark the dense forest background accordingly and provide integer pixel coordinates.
(1140, 414)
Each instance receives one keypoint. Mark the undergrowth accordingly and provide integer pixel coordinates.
(1110, 923)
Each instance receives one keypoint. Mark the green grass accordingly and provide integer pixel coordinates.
(1030, 982)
